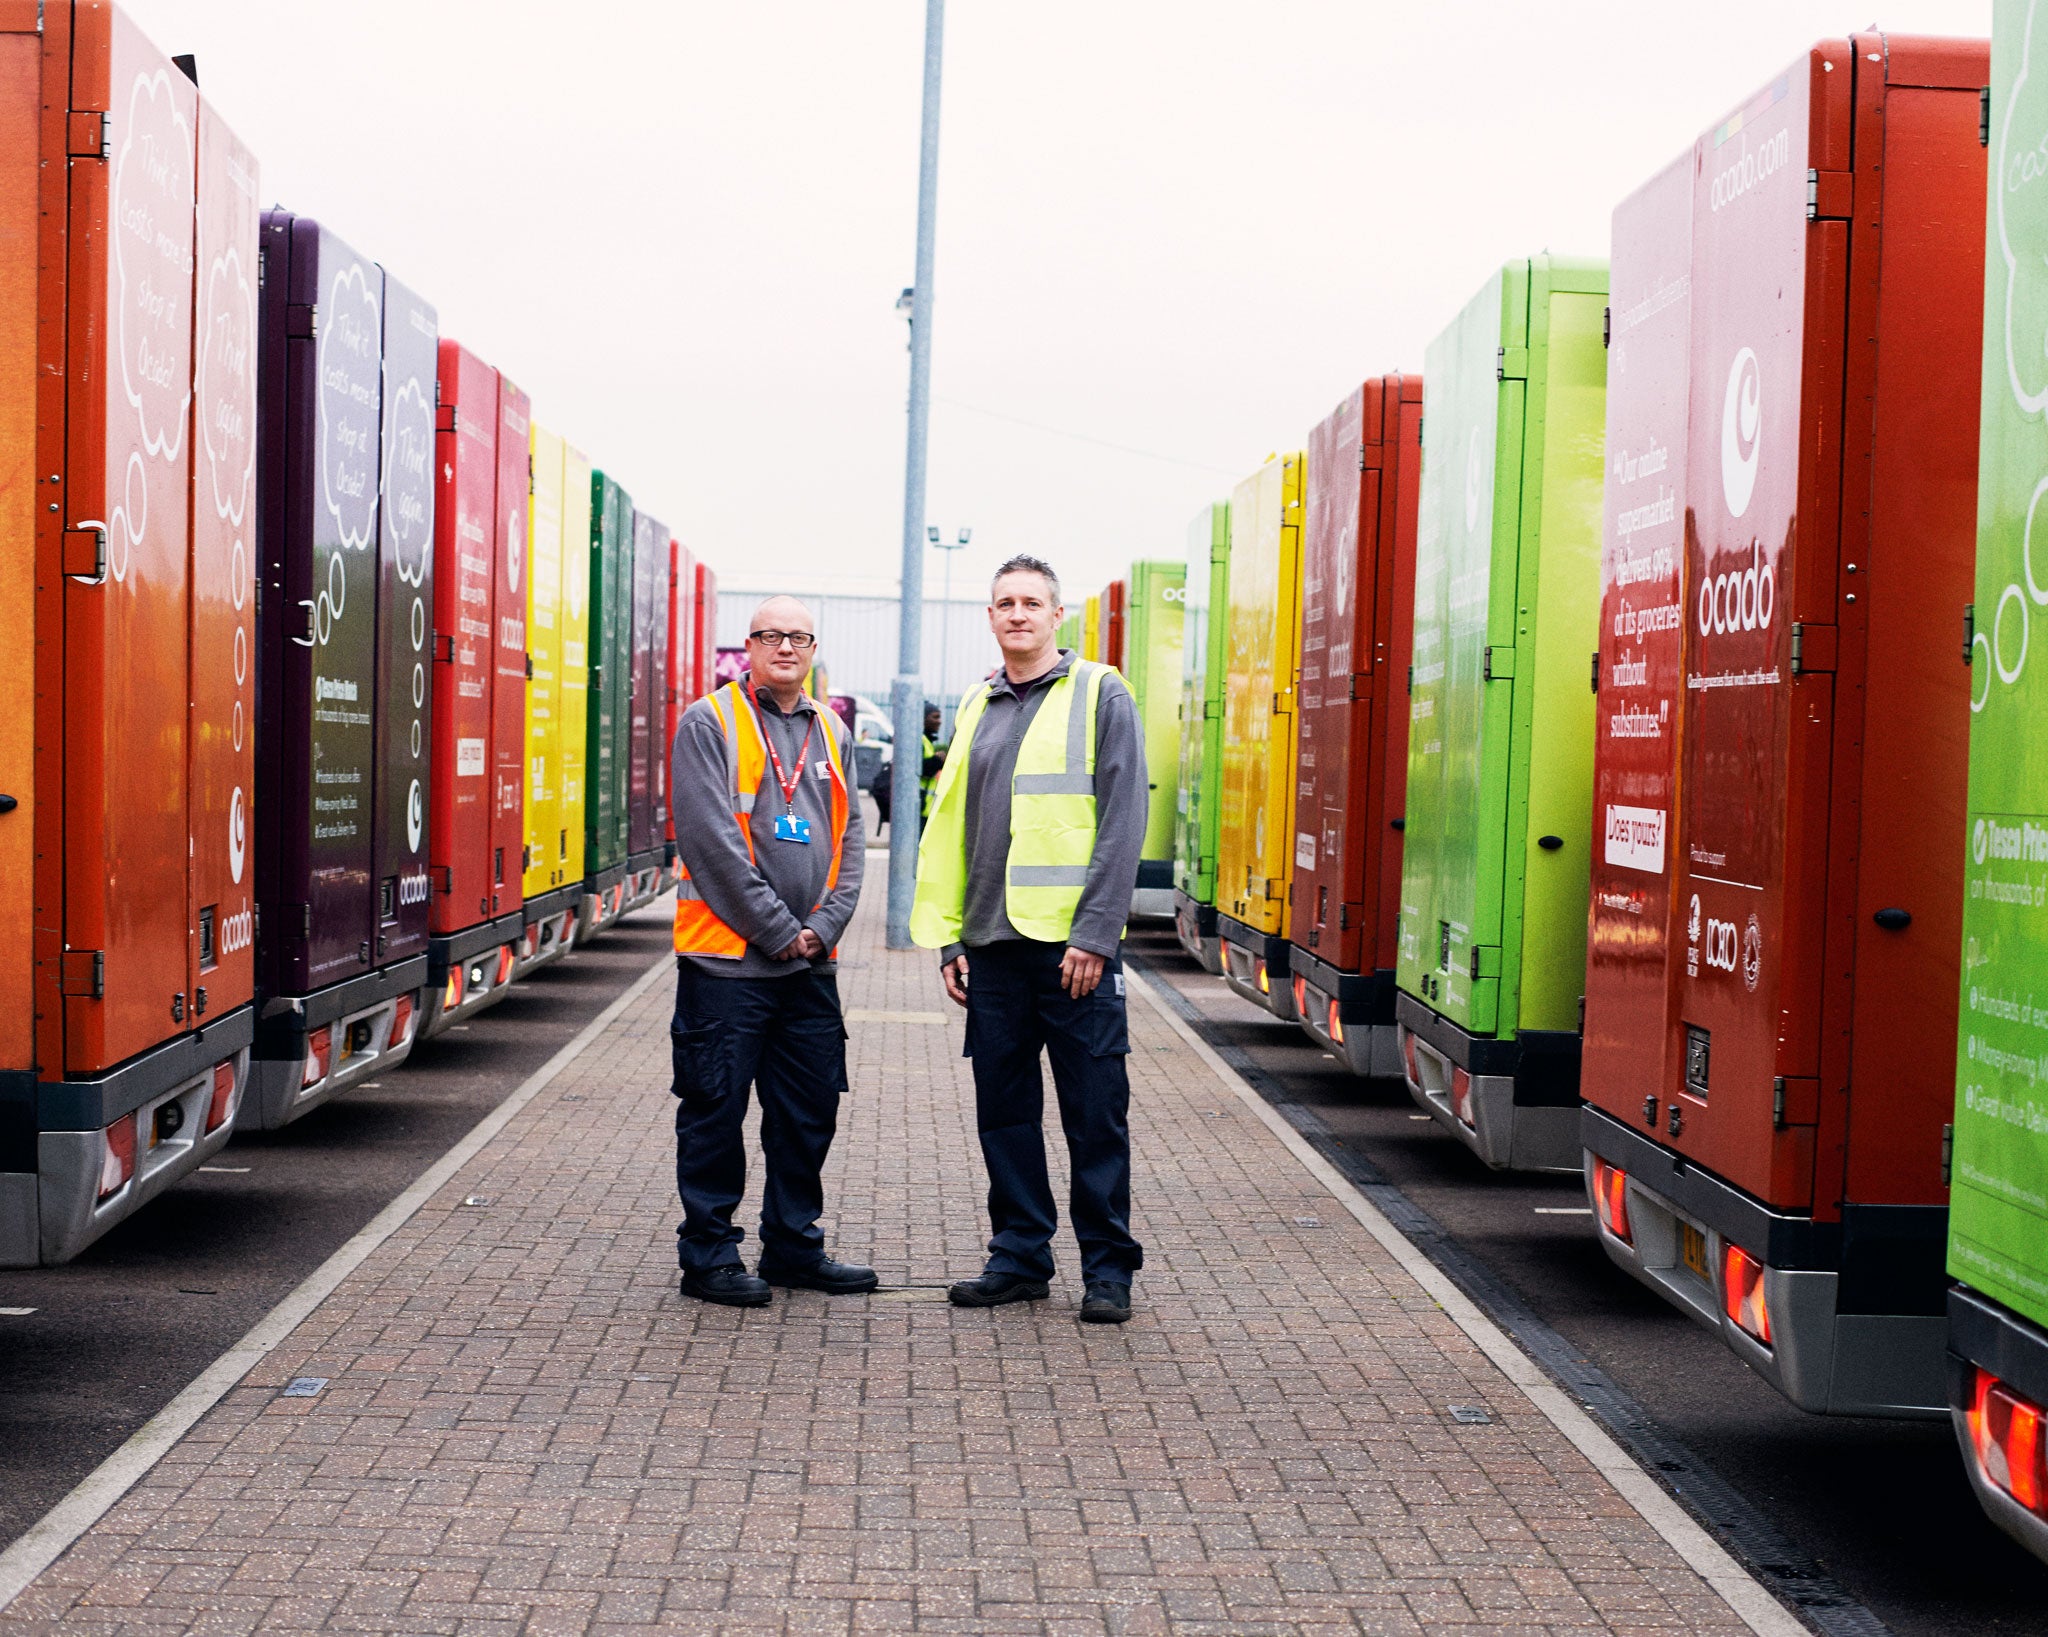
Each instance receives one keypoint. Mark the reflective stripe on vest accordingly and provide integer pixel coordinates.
(698, 929)
(1052, 817)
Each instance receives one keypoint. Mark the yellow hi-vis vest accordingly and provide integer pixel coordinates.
(699, 931)
(1052, 817)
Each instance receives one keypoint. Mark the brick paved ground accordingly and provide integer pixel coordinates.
(526, 1430)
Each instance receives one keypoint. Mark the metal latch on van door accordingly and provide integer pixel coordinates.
(89, 135)
(302, 321)
(83, 972)
(1830, 196)
(85, 552)
(1511, 363)
(1813, 648)
(1496, 663)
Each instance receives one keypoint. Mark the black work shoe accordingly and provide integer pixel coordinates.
(994, 1289)
(729, 1285)
(1105, 1302)
(834, 1278)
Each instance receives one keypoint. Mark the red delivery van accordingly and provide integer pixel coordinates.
(1778, 850)
(479, 694)
(127, 395)
(1351, 764)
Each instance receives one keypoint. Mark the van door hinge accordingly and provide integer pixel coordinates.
(1511, 363)
(1969, 631)
(1830, 196)
(1606, 327)
(1813, 649)
(1596, 670)
(1984, 117)
(1361, 685)
(1497, 663)
(83, 972)
(302, 320)
(448, 418)
(89, 135)
(1948, 1152)
(1485, 961)
(85, 552)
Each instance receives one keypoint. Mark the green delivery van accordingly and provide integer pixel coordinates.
(1153, 641)
(1491, 952)
(1205, 656)
(1998, 1167)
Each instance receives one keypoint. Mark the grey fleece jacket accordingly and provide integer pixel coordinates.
(1122, 810)
(767, 899)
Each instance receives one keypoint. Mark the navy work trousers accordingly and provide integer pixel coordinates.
(1016, 1010)
(785, 1037)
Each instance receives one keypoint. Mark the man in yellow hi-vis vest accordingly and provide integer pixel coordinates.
(768, 836)
(1024, 881)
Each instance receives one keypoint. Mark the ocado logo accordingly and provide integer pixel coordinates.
(1740, 600)
(1741, 421)
(237, 836)
(415, 817)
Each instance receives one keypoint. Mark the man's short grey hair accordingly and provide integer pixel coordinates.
(1025, 563)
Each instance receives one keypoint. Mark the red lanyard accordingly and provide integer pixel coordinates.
(788, 781)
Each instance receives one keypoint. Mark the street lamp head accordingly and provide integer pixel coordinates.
(931, 533)
(966, 534)
(906, 302)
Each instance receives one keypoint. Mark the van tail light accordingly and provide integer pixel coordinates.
(1336, 1024)
(1610, 1199)
(452, 996)
(1742, 1292)
(319, 1053)
(533, 940)
(1265, 983)
(222, 1103)
(1461, 1096)
(1301, 997)
(117, 1156)
(401, 1021)
(1408, 1058)
(505, 957)
(2007, 1438)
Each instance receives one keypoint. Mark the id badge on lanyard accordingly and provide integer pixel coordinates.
(788, 825)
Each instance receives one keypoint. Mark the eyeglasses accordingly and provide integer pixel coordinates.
(799, 640)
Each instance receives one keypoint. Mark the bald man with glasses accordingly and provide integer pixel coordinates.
(768, 833)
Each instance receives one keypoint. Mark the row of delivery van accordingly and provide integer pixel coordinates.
(345, 688)
(1623, 732)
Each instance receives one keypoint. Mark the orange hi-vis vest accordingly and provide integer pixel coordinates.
(699, 931)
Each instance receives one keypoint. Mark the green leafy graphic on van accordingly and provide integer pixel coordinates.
(1998, 1237)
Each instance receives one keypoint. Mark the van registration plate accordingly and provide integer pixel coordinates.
(1692, 1250)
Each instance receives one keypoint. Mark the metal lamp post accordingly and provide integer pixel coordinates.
(906, 692)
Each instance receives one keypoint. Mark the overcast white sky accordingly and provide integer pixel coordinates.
(1182, 227)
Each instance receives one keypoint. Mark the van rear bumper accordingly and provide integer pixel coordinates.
(1256, 966)
(1514, 1103)
(1856, 1322)
(1987, 1336)
(1194, 923)
(1349, 1014)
